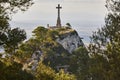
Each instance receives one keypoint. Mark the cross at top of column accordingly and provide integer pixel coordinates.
(58, 7)
(58, 19)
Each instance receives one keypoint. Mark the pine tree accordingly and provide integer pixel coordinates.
(7, 8)
(105, 46)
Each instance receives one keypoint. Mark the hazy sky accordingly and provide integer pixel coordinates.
(85, 16)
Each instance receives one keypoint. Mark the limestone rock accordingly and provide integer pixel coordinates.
(33, 62)
(70, 40)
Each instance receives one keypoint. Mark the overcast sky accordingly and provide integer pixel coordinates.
(85, 16)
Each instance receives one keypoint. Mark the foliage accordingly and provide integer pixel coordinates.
(8, 7)
(43, 40)
(25, 50)
(10, 39)
(105, 46)
(11, 70)
(40, 33)
(79, 63)
(46, 73)
(113, 5)
(64, 76)
(68, 24)
(15, 37)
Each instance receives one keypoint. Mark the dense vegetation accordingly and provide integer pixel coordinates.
(11, 39)
(105, 46)
(100, 61)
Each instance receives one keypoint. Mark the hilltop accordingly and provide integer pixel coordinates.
(53, 46)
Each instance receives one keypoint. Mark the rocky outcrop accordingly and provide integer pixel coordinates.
(66, 41)
(70, 40)
(33, 62)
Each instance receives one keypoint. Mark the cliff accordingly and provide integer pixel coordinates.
(54, 46)
(70, 40)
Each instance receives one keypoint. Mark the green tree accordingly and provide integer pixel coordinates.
(46, 73)
(40, 33)
(68, 25)
(113, 5)
(52, 34)
(105, 46)
(79, 64)
(15, 37)
(26, 49)
(64, 76)
(8, 7)
(10, 38)
(11, 70)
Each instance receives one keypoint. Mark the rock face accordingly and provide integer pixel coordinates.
(33, 62)
(66, 41)
(70, 41)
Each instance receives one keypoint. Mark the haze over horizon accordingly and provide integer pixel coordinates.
(85, 16)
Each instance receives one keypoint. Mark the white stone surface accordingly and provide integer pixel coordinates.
(70, 41)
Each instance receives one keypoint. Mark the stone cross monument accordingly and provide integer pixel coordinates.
(58, 19)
